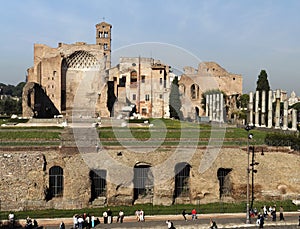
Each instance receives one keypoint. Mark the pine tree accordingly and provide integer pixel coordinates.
(174, 101)
(262, 83)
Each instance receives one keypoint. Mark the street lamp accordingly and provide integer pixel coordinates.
(250, 136)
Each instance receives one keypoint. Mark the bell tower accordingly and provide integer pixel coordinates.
(103, 38)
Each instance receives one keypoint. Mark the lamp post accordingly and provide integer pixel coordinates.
(250, 136)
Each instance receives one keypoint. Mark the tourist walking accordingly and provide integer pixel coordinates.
(170, 224)
(109, 216)
(62, 225)
(142, 216)
(120, 216)
(213, 224)
(194, 214)
(105, 217)
(281, 213)
(183, 214)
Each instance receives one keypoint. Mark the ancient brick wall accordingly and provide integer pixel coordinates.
(25, 176)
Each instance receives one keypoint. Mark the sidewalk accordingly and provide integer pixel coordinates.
(236, 220)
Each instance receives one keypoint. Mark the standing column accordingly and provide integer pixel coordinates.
(263, 109)
(277, 110)
(207, 105)
(294, 119)
(214, 107)
(285, 115)
(250, 106)
(221, 108)
(210, 107)
(256, 108)
(217, 107)
(270, 109)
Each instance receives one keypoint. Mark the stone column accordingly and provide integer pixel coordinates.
(270, 109)
(218, 107)
(294, 119)
(221, 108)
(263, 109)
(256, 108)
(207, 105)
(250, 106)
(210, 107)
(285, 115)
(214, 107)
(277, 110)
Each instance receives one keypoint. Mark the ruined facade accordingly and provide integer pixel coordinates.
(209, 76)
(76, 76)
(142, 83)
(59, 72)
(60, 178)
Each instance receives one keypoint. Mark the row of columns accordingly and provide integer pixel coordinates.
(261, 111)
(215, 107)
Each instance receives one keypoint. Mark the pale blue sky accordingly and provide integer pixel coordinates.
(242, 36)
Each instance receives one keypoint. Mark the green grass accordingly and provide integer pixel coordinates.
(149, 209)
(14, 135)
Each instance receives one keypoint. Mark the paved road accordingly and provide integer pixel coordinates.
(159, 222)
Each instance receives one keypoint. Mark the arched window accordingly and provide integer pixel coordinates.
(133, 78)
(182, 176)
(98, 183)
(56, 181)
(194, 91)
(143, 181)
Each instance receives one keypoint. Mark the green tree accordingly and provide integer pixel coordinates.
(262, 83)
(174, 101)
(243, 101)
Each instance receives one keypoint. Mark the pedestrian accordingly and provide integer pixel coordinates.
(281, 213)
(75, 221)
(93, 220)
(11, 218)
(183, 214)
(109, 216)
(62, 225)
(120, 216)
(35, 223)
(105, 217)
(299, 221)
(137, 215)
(213, 224)
(80, 222)
(170, 224)
(261, 221)
(142, 216)
(194, 214)
(273, 213)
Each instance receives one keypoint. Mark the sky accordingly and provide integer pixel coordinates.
(244, 37)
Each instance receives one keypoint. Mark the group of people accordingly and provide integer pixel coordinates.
(82, 221)
(193, 213)
(108, 217)
(268, 212)
(140, 215)
(30, 224)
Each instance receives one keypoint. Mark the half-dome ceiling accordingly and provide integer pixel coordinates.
(81, 60)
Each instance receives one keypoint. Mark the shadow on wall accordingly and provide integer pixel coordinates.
(36, 102)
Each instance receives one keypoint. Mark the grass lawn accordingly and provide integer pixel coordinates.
(153, 210)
